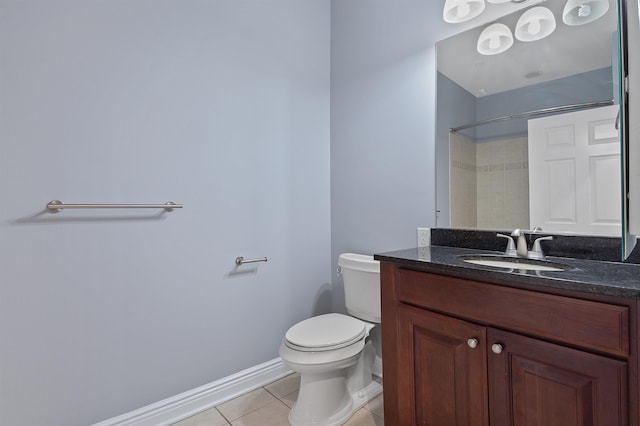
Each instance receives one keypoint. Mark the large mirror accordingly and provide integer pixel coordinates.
(527, 121)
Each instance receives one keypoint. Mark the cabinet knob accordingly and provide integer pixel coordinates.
(497, 348)
(472, 343)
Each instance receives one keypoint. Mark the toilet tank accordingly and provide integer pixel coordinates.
(361, 275)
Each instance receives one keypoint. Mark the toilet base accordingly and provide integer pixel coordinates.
(358, 399)
(329, 396)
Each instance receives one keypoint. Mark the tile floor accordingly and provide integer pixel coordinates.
(269, 406)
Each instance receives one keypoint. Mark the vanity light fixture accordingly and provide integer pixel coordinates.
(494, 39)
(535, 24)
(456, 11)
(579, 12)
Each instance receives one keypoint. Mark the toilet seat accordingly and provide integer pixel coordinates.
(326, 333)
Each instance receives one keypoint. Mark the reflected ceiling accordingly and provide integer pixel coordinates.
(519, 66)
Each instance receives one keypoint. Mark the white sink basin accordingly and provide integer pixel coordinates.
(514, 263)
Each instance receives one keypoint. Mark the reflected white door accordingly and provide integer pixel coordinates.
(574, 172)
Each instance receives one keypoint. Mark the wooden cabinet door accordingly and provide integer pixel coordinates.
(535, 383)
(442, 379)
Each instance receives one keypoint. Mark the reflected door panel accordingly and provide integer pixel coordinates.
(574, 172)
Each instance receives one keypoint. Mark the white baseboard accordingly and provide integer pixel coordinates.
(364, 396)
(186, 404)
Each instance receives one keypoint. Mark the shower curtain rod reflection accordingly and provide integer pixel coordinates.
(534, 113)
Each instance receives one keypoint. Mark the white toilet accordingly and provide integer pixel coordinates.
(332, 353)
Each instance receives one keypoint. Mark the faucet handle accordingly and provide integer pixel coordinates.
(536, 252)
(511, 248)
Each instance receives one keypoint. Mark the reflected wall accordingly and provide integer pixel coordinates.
(501, 172)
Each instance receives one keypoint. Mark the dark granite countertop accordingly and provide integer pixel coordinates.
(590, 276)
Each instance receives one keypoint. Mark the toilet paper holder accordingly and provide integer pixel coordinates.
(241, 260)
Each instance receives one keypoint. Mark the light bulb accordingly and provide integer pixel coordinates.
(535, 24)
(456, 11)
(584, 10)
(580, 12)
(463, 10)
(534, 27)
(494, 41)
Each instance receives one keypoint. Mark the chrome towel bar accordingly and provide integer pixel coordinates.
(57, 206)
(240, 260)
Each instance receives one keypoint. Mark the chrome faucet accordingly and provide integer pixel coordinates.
(511, 248)
(519, 248)
(536, 252)
(521, 243)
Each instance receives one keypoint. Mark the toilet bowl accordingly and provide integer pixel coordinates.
(332, 352)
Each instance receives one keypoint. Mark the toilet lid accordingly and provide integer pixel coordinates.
(326, 332)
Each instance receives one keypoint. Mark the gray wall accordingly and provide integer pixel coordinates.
(383, 83)
(221, 105)
(382, 93)
(456, 106)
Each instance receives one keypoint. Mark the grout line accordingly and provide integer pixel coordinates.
(223, 416)
(230, 423)
(261, 408)
(271, 393)
(364, 407)
(279, 399)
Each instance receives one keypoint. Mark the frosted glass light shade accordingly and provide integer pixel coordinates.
(579, 12)
(462, 10)
(494, 39)
(535, 24)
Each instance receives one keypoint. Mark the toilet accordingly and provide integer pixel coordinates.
(333, 353)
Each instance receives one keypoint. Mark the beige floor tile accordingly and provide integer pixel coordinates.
(207, 418)
(364, 418)
(246, 404)
(290, 399)
(284, 386)
(274, 414)
(376, 406)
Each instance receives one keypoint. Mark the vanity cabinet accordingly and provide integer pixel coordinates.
(462, 352)
(443, 381)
